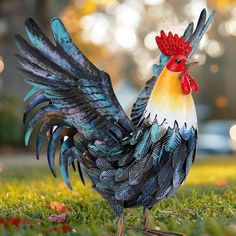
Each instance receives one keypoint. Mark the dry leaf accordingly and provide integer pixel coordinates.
(221, 183)
(57, 206)
(62, 218)
(17, 222)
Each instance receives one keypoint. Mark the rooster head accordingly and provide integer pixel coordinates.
(178, 50)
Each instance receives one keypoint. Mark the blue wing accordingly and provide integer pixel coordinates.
(73, 95)
(81, 94)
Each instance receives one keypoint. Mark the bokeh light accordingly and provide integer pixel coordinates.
(1, 65)
(231, 26)
(150, 41)
(194, 6)
(221, 102)
(126, 37)
(214, 48)
(127, 16)
(200, 58)
(232, 132)
(214, 68)
(153, 2)
(95, 28)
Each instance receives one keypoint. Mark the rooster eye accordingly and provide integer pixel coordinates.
(177, 61)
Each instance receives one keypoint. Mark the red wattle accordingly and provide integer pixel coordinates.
(185, 85)
(192, 83)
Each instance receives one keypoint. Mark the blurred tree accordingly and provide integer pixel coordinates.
(11, 130)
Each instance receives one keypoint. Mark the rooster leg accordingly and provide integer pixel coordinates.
(145, 218)
(151, 232)
(120, 227)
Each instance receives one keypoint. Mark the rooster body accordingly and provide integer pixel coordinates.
(130, 162)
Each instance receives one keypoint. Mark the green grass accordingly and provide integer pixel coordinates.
(200, 207)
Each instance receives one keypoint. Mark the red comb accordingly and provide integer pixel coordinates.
(171, 44)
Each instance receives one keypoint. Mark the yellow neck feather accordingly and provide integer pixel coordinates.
(168, 102)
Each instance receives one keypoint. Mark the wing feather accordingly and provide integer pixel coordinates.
(82, 95)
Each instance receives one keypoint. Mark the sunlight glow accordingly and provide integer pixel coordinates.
(127, 16)
(95, 28)
(126, 38)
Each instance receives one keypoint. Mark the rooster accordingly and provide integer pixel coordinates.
(133, 162)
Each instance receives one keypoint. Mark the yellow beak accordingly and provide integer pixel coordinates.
(190, 62)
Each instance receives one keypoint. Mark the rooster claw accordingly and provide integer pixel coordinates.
(162, 232)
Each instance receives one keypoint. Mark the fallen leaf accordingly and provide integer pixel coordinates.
(17, 222)
(221, 183)
(57, 206)
(64, 228)
(62, 218)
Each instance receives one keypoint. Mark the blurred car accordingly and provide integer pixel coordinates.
(217, 137)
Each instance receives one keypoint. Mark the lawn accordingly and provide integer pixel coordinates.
(204, 205)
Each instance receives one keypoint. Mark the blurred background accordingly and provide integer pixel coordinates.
(119, 37)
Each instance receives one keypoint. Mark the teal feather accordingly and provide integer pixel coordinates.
(34, 90)
(63, 164)
(172, 140)
(143, 146)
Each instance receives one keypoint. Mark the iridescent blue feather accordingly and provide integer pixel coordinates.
(129, 162)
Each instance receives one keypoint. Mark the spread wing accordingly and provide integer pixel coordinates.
(194, 37)
(76, 96)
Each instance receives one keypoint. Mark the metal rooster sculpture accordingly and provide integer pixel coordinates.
(130, 162)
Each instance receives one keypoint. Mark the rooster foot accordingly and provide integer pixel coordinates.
(152, 232)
